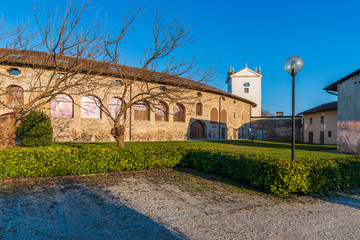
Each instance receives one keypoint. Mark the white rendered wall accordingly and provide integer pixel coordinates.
(237, 86)
(330, 124)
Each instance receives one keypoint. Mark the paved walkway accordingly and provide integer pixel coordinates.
(167, 205)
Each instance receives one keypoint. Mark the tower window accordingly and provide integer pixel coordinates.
(246, 84)
(246, 90)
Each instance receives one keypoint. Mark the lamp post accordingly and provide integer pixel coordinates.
(293, 65)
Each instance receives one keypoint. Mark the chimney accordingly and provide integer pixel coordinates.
(259, 68)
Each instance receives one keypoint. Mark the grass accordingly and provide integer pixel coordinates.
(264, 148)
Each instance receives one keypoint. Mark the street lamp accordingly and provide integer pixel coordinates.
(293, 65)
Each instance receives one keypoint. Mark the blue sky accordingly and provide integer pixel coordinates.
(325, 34)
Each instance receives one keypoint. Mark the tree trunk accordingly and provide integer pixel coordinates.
(7, 133)
(118, 133)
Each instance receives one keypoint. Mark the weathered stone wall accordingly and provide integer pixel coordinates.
(348, 125)
(88, 130)
(275, 128)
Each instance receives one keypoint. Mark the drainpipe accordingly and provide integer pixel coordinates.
(130, 113)
(219, 117)
(250, 122)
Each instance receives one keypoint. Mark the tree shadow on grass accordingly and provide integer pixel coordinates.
(278, 145)
(67, 209)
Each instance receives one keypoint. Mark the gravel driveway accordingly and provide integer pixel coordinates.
(168, 204)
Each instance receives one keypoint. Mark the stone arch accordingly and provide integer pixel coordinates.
(198, 130)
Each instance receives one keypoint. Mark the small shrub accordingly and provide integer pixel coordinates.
(35, 130)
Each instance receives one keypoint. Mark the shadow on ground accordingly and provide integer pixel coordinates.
(281, 145)
(71, 210)
(349, 199)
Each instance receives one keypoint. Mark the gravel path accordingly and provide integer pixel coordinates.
(168, 204)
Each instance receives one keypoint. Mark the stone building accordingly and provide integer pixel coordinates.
(348, 116)
(211, 113)
(320, 124)
(246, 83)
(275, 128)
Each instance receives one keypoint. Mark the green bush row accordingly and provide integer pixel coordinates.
(49, 162)
(280, 177)
(277, 176)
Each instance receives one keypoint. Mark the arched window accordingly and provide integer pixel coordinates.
(214, 115)
(62, 106)
(179, 113)
(246, 84)
(161, 112)
(15, 95)
(90, 107)
(115, 107)
(199, 109)
(223, 116)
(141, 111)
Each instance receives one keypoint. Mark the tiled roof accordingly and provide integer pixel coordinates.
(35, 59)
(321, 108)
(333, 86)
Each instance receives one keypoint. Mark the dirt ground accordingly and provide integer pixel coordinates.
(168, 204)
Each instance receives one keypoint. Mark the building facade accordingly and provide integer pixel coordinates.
(246, 83)
(204, 112)
(320, 124)
(348, 118)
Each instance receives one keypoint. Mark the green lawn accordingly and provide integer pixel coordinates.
(272, 149)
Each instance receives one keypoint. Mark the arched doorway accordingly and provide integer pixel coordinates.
(197, 130)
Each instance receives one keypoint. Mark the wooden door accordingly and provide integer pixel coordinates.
(311, 137)
(322, 137)
(197, 130)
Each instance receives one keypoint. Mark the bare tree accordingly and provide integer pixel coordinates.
(266, 113)
(140, 86)
(68, 64)
(64, 66)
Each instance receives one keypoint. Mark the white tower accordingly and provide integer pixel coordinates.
(246, 83)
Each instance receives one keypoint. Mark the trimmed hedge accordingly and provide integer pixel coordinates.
(280, 177)
(50, 162)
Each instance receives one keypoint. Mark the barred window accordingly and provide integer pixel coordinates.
(141, 111)
(115, 107)
(199, 109)
(161, 111)
(90, 107)
(62, 106)
(15, 95)
(179, 113)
